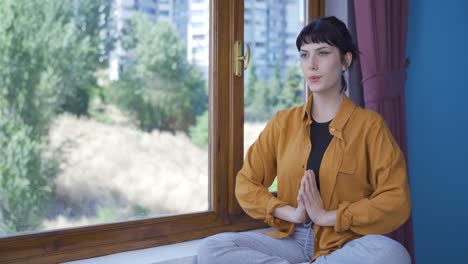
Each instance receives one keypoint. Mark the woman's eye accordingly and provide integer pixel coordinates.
(303, 55)
(323, 53)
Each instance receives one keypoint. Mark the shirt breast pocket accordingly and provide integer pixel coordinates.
(349, 186)
(348, 165)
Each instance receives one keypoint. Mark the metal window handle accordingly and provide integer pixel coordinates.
(239, 59)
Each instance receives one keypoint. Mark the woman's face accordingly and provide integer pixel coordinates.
(322, 67)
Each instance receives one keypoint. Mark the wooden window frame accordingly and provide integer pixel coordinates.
(226, 155)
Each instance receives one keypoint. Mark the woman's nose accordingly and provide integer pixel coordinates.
(313, 63)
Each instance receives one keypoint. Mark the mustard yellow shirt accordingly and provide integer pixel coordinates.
(362, 175)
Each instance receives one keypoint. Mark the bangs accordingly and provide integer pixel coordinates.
(318, 32)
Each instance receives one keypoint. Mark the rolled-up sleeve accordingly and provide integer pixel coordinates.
(257, 174)
(389, 205)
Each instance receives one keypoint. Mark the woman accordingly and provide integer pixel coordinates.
(342, 179)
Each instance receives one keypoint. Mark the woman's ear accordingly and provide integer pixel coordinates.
(348, 59)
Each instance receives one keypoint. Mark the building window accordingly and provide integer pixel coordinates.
(197, 24)
(260, 44)
(164, 13)
(198, 37)
(197, 13)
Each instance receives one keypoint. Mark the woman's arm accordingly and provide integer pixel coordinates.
(389, 206)
(257, 174)
(291, 214)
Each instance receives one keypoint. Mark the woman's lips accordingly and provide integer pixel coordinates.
(314, 79)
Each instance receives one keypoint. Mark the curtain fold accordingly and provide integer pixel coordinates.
(354, 73)
(381, 28)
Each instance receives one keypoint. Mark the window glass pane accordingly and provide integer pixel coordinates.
(273, 80)
(103, 112)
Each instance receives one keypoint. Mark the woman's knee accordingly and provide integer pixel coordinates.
(211, 247)
(372, 249)
(391, 250)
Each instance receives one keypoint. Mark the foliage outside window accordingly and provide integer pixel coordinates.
(55, 88)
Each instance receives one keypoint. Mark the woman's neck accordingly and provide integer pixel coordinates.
(325, 106)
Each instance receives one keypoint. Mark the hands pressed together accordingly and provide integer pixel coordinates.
(309, 202)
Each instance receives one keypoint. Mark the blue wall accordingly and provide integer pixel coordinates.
(437, 122)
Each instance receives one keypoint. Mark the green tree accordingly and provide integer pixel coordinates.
(275, 89)
(171, 91)
(94, 26)
(260, 108)
(293, 92)
(262, 96)
(26, 180)
(249, 89)
(265, 97)
(49, 63)
(50, 52)
(94, 21)
(199, 132)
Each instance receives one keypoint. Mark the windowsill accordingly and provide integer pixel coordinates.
(180, 253)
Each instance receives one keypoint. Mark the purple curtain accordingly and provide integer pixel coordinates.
(381, 32)
(354, 72)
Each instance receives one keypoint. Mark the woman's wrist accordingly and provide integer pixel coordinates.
(328, 218)
(288, 213)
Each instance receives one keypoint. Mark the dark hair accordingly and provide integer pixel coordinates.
(332, 31)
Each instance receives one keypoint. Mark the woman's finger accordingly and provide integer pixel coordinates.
(312, 177)
(301, 187)
(308, 184)
(313, 183)
(306, 199)
(301, 190)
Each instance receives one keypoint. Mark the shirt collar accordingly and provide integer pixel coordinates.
(347, 107)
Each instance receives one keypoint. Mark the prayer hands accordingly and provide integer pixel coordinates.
(310, 198)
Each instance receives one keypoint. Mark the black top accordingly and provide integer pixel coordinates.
(320, 138)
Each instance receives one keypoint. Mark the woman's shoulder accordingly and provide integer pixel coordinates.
(285, 117)
(366, 118)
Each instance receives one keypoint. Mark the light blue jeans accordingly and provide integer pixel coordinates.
(256, 248)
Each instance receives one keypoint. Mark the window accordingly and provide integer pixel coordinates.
(197, 13)
(141, 228)
(198, 37)
(139, 117)
(164, 13)
(267, 90)
(198, 24)
(148, 10)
